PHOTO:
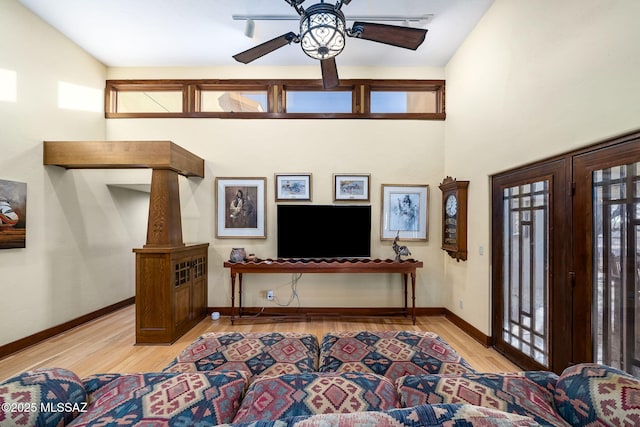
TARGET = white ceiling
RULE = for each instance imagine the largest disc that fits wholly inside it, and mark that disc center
(158, 33)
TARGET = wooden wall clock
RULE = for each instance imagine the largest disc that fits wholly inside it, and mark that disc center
(454, 217)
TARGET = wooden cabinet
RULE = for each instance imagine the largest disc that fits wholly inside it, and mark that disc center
(171, 292)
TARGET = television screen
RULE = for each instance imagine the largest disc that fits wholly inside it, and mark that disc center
(324, 231)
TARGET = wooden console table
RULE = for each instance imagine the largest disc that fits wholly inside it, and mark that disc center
(406, 268)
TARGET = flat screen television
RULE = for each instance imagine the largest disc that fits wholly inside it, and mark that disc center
(324, 231)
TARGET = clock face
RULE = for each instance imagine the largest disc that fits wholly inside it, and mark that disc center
(451, 206)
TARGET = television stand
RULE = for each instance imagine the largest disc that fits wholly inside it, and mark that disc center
(406, 268)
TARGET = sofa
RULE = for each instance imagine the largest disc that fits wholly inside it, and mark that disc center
(351, 378)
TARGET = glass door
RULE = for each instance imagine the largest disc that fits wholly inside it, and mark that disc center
(608, 247)
(529, 246)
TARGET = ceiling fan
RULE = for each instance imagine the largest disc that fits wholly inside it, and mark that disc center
(322, 36)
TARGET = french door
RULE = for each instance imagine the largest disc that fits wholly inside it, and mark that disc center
(607, 255)
(566, 259)
(530, 231)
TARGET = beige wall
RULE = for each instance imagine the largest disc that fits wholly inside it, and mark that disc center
(79, 234)
(534, 79)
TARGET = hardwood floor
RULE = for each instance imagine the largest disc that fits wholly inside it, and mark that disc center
(107, 344)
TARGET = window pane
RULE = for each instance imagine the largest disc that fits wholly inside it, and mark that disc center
(403, 102)
(318, 102)
(149, 102)
(236, 102)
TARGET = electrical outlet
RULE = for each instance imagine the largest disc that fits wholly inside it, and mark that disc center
(461, 305)
(270, 295)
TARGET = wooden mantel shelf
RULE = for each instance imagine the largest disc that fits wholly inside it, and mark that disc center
(123, 155)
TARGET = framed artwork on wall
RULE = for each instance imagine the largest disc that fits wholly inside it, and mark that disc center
(240, 208)
(404, 212)
(13, 214)
(293, 187)
(354, 187)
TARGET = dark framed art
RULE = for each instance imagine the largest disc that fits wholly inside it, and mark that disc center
(240, 208)
(404, 212)
(13, 214)
(352, 187)
(293, 187)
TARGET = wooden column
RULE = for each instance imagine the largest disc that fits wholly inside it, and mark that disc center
(164, 228)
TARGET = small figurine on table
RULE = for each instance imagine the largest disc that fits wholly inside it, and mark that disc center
(398, 249)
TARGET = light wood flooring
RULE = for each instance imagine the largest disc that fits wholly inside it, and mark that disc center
(107, 344)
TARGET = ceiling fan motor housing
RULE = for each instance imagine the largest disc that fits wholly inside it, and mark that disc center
(322, 31)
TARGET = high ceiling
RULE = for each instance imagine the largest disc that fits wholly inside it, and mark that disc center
(129, 33)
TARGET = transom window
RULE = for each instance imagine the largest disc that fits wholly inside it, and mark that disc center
(269, 99)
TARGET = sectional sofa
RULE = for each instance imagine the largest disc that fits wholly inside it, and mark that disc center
(359, 378)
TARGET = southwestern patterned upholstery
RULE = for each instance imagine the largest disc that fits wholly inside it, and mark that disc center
(281, 396)
(512, 393)
(24, 397)
(254, 352)
(390, 379)
(595, 395)
(446, 415)
(165, 399)
(390, 353)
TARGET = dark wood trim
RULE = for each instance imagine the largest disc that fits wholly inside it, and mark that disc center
(21, 344)
(469, 329)
(276, 96)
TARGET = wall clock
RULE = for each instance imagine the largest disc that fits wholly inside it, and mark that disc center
(454, 217)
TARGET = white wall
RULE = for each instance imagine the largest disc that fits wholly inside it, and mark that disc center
(79, 232)
(534, 79)
(393, 152)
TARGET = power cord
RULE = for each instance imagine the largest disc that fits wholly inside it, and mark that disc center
(294, 292)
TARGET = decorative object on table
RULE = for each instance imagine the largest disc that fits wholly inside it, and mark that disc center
(400, 250)
(404, 212)
(237, 255)
(454, 217)
(252, 257)
(240, 208)
(13, 214)
(292, 187)
(354, 187)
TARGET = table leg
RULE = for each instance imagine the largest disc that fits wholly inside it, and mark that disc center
(406, 306)
(413, 297)
(233, 296)
(240, 294)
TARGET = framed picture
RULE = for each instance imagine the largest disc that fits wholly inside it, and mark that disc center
(351, 187)
(293, 187)
(13, 214)
(404, 212)
(240, 208)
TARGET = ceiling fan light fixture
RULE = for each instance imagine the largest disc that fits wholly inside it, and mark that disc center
(322, 31)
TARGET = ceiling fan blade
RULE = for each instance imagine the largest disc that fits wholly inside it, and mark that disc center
(329, 73)
(264, 48)
(407, 37)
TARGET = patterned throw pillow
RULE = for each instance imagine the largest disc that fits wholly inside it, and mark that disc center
(390, 353)
(513, 393)
(272, 398)
(42, 398)
(167, 399)
(257, 353)
(597, 395)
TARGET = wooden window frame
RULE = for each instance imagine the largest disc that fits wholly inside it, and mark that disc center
(276, 97)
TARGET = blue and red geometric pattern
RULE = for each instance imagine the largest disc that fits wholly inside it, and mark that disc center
(24, 396)
(271, 398)
(390, 353)
(254, 352)
(511, 393)
(166, 399)
(446, 415)
(596, 395)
